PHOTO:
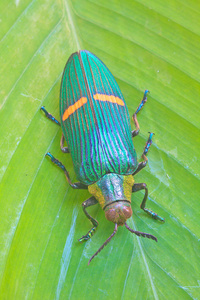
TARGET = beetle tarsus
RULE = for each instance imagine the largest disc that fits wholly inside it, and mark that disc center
(49, 116)
(56, 161)
(89, 202)
(142, 186)
(76, 185)
(148, 144)
(88, 235)
(153, 215)
(145, 94)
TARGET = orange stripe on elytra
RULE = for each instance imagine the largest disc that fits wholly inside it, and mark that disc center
(109, 98)
(72, 108)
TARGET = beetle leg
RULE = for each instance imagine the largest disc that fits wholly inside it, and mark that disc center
(89, 202)
(142, 186)
(49, 116)
(63, 149)
(143, 164)
(144, 100)
(76, 185)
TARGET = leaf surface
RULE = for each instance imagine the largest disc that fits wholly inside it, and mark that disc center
(153, 46)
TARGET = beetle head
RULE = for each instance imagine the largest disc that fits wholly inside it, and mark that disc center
(113, 192)
(118, 212)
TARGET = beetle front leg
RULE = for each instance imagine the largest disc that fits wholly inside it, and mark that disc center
(142, 186)
(144, 100)
(143, 164)
(89, 202)
(76, 185)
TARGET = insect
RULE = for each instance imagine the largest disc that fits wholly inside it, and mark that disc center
(95, 125)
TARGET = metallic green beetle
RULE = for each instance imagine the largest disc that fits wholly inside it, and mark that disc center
(95, 124)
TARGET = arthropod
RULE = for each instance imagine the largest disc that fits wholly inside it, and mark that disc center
(95, 125)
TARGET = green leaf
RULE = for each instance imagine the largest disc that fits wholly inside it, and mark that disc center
(151, 45)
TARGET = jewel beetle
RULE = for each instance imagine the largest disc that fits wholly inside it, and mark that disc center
(95, 125)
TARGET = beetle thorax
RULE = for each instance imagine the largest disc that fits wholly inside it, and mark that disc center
(113, 192)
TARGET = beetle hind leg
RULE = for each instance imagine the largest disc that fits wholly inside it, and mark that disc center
(89, 202)
(142, 186)
(144, 100)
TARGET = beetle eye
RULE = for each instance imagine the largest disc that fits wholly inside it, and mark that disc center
(110, 214)
(127, 211)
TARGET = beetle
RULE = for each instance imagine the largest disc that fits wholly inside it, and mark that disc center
(95, 125)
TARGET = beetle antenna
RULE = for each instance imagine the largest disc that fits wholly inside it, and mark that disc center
(147, 235)
(104, 244)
